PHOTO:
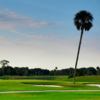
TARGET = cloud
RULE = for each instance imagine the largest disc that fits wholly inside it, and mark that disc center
(6, 26)
(5, 42)
(36, 51)
(40, 51)
(12, 20)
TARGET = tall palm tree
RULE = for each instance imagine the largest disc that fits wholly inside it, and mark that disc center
(83, 22)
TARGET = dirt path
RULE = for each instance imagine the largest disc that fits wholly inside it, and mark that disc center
(11, 92)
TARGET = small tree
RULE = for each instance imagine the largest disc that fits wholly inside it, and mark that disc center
(4, 63)
(98, 70)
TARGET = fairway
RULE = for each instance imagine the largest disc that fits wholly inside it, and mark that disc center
(28, 89)
(64, 82)
(52, 96)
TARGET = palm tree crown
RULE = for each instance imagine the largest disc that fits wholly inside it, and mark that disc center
(83, 20)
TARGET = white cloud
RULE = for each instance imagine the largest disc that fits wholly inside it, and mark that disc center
(47, 52)
(6, 26)
(11, 20)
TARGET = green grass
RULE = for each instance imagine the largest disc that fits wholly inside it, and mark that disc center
(52, 96)
(28, 84)
(93, 79)
(59, 78)
(11, 85)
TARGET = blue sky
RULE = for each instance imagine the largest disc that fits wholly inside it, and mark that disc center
(41, 33)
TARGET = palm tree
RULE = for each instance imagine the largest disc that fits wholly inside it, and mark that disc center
(83, 22)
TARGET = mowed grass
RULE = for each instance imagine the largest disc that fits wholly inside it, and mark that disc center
(90, 79)
(52, 96)
(13, 85)
(65, 82)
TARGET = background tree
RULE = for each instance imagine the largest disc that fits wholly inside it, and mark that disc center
(98, 70)
(91, 71)
(83, 22)
(4, 63)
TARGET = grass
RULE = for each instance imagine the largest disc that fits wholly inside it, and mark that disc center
(90, 79)
(28, 84)
(52, 96)
(61, 78)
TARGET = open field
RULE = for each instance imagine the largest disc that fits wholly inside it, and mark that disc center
(61, 78)
(11, 85)
(63, 81)
(52, 96)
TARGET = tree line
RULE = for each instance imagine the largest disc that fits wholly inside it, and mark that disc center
(25, 71)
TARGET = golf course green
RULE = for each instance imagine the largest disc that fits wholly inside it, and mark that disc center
(56, 88)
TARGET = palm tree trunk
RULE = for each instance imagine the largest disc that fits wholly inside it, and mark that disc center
(80, 41)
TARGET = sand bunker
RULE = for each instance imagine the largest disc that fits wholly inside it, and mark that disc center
(98, 85)
(48, 85)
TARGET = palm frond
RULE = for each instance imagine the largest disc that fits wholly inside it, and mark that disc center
(83, 20)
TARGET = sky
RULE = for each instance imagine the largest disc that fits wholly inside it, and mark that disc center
(41, 33)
